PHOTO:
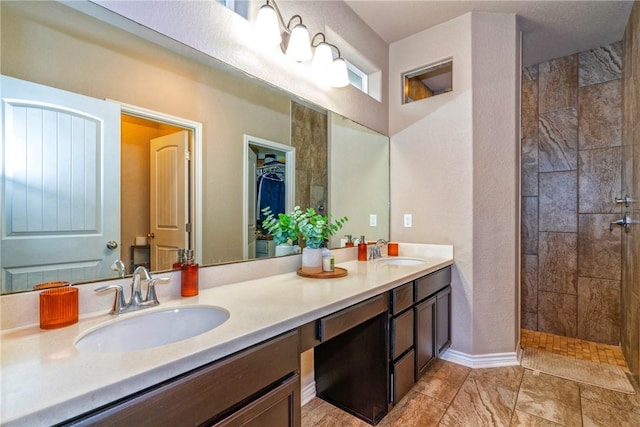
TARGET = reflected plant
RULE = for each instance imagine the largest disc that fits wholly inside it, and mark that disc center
(316, 228)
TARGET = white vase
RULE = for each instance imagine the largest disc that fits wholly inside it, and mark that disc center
(284, 249)
(311, 260)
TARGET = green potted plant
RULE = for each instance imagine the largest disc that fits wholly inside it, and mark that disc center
(282, 228)
(315, 229)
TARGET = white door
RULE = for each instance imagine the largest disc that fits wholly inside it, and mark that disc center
(60, 186)
(252, 161)
(169, 202)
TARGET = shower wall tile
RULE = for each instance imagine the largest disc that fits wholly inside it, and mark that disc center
(529, 169)
(530, 73)
(600, 175)
(558, 84)
(558, 263)
(599, 310)
(529, 225)
(557, 313)
(600, 64)
(558, 201)
(600, 123)
(529, 320)
(558, 140)
(529, 284)
(599, 250)
(529, 108)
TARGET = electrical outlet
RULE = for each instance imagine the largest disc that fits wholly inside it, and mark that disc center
(408, 220)
(373, 220)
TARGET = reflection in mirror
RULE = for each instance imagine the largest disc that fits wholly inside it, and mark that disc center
(53, 45)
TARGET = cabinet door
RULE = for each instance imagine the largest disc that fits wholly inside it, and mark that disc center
(443, 322)
(425, 339)
(278, 408)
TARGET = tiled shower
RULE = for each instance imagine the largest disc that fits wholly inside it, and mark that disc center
(571, 176)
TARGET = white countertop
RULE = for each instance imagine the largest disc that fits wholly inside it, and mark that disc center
(45, 379)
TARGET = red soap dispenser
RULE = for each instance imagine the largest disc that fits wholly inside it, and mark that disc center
(189, 276)
(362, 249)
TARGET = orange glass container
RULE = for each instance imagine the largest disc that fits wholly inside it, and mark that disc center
(189, 280)
(58, 307)
(392, 249)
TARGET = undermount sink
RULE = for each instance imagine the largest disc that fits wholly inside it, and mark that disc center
(401, 261)
(152, 329)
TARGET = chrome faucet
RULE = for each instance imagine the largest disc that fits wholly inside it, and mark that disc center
(375, 250)
(136, 301)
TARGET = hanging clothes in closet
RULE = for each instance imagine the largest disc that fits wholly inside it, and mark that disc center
(271, 189)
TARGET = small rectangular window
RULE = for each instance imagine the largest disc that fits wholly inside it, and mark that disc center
(357, 77)
(428, 81)
(241, 7)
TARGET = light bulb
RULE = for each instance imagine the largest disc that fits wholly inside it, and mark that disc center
(299, 47)
(267, 27)
(339, 76)
(322, 61)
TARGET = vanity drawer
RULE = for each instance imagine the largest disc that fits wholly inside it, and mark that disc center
(401, 298)
(342, 321)
(401, 334)
(432, 283)
(403, 376)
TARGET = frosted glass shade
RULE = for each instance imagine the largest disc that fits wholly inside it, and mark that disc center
(267, 27)
(339, 76)
(322, 61)
(299, 47)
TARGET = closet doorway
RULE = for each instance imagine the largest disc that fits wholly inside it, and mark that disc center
(269, 180)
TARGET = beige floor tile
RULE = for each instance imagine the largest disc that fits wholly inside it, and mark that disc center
(622, 401)
(442, 382)
(522, 419)
(551, 398)
(596, 414)
(482, 401)
(415, 409)
(318, 413)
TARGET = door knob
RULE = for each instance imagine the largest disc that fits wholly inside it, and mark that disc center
(112, 244)
(151, 236)
(624, 223)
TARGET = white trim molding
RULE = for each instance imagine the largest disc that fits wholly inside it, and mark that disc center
(492, 360)
(307, 393)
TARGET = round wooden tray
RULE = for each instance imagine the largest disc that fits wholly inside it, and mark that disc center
(337, 272)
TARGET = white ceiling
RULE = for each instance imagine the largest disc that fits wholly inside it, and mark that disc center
(551, 29)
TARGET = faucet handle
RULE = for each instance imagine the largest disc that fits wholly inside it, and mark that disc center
(119, 303)
(152, 298)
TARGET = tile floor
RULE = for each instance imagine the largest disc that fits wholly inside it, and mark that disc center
(453, 395)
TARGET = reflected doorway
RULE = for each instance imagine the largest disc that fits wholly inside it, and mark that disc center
(156, 191)
(269, 171)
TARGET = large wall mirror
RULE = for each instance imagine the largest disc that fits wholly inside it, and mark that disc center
(163, 98)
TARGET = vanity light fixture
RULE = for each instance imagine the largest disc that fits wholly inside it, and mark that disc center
(298, 47)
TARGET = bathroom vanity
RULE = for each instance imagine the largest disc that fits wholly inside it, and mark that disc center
(247, 370)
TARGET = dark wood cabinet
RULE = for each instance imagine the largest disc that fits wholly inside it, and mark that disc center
(433, 317)
(279, 407)
(352, 360)
(443, 320)
(258, 383)
(425, 339)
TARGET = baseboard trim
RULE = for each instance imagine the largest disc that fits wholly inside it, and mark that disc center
(493, 360)
(307, 393)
